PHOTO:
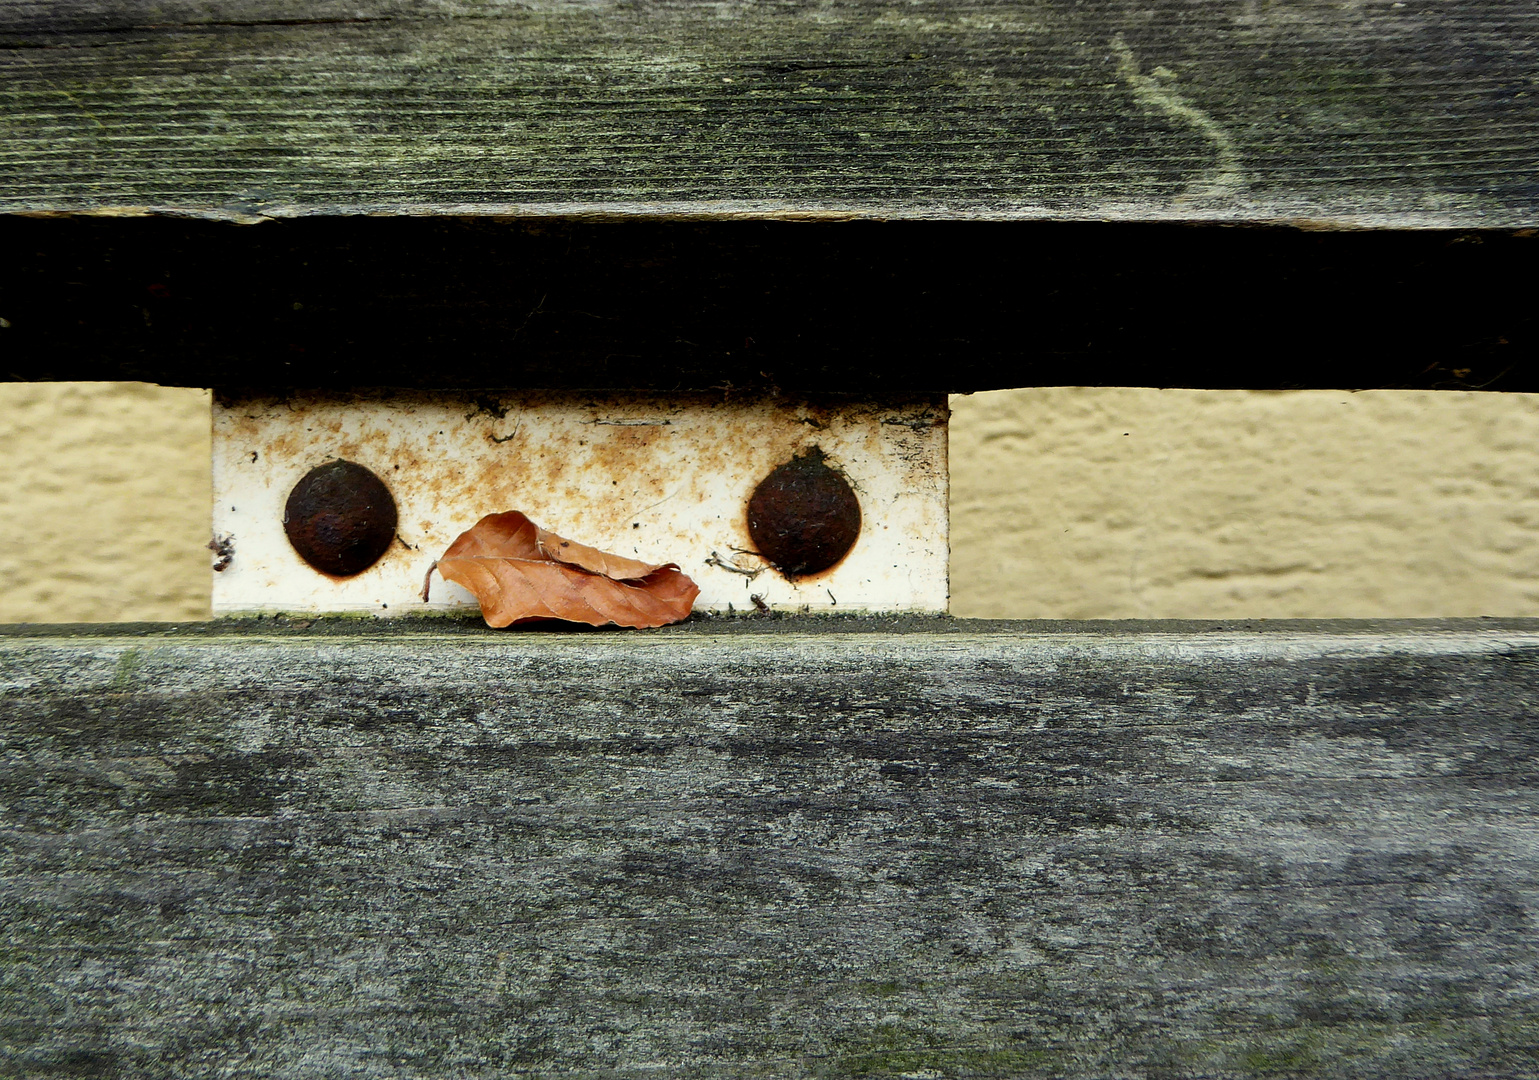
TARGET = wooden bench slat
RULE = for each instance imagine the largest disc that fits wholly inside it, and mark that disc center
(712, 851)
(1416, 115)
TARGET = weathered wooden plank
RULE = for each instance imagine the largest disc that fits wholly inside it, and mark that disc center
(853, 307)
(1408, 114)
(729, 850)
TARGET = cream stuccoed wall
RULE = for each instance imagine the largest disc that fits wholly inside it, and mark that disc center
(105, 489)
(1086, 504)
(1066, 503)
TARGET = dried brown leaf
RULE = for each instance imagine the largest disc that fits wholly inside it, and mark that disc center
(590, 559)
(519, 572)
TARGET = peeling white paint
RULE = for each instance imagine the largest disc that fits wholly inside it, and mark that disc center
(659, 478)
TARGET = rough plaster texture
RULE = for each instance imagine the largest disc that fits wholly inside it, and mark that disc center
(1066, 503)
(104, 489)
(1078, 503)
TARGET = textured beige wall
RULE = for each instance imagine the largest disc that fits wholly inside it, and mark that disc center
(105, 488)
(1172, 503)
(1065, 503)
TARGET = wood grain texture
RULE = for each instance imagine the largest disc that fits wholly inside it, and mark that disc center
(716, 852)
(1409, 113)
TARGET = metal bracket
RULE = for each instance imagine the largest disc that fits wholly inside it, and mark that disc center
(656, 478)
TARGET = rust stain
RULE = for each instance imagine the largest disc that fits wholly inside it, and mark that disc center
(658, 477)
(340, 518)
(804, 517)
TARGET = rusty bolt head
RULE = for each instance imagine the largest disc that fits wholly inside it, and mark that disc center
(340, 517)
(804, 517)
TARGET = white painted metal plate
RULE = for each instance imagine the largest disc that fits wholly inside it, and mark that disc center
(661, 479)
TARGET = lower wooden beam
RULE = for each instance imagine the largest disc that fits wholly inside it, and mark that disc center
(745, 849)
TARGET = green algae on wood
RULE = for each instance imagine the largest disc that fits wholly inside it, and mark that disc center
(1412, 114)
(771, 850)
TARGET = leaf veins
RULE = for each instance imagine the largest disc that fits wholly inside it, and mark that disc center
(521, 573)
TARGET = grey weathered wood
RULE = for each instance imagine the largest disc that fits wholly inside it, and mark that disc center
(960, 852)
(1406, 114)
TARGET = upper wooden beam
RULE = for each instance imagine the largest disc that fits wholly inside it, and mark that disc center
(1410, 113)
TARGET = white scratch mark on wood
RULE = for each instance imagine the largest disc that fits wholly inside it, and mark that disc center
(1226, 177)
